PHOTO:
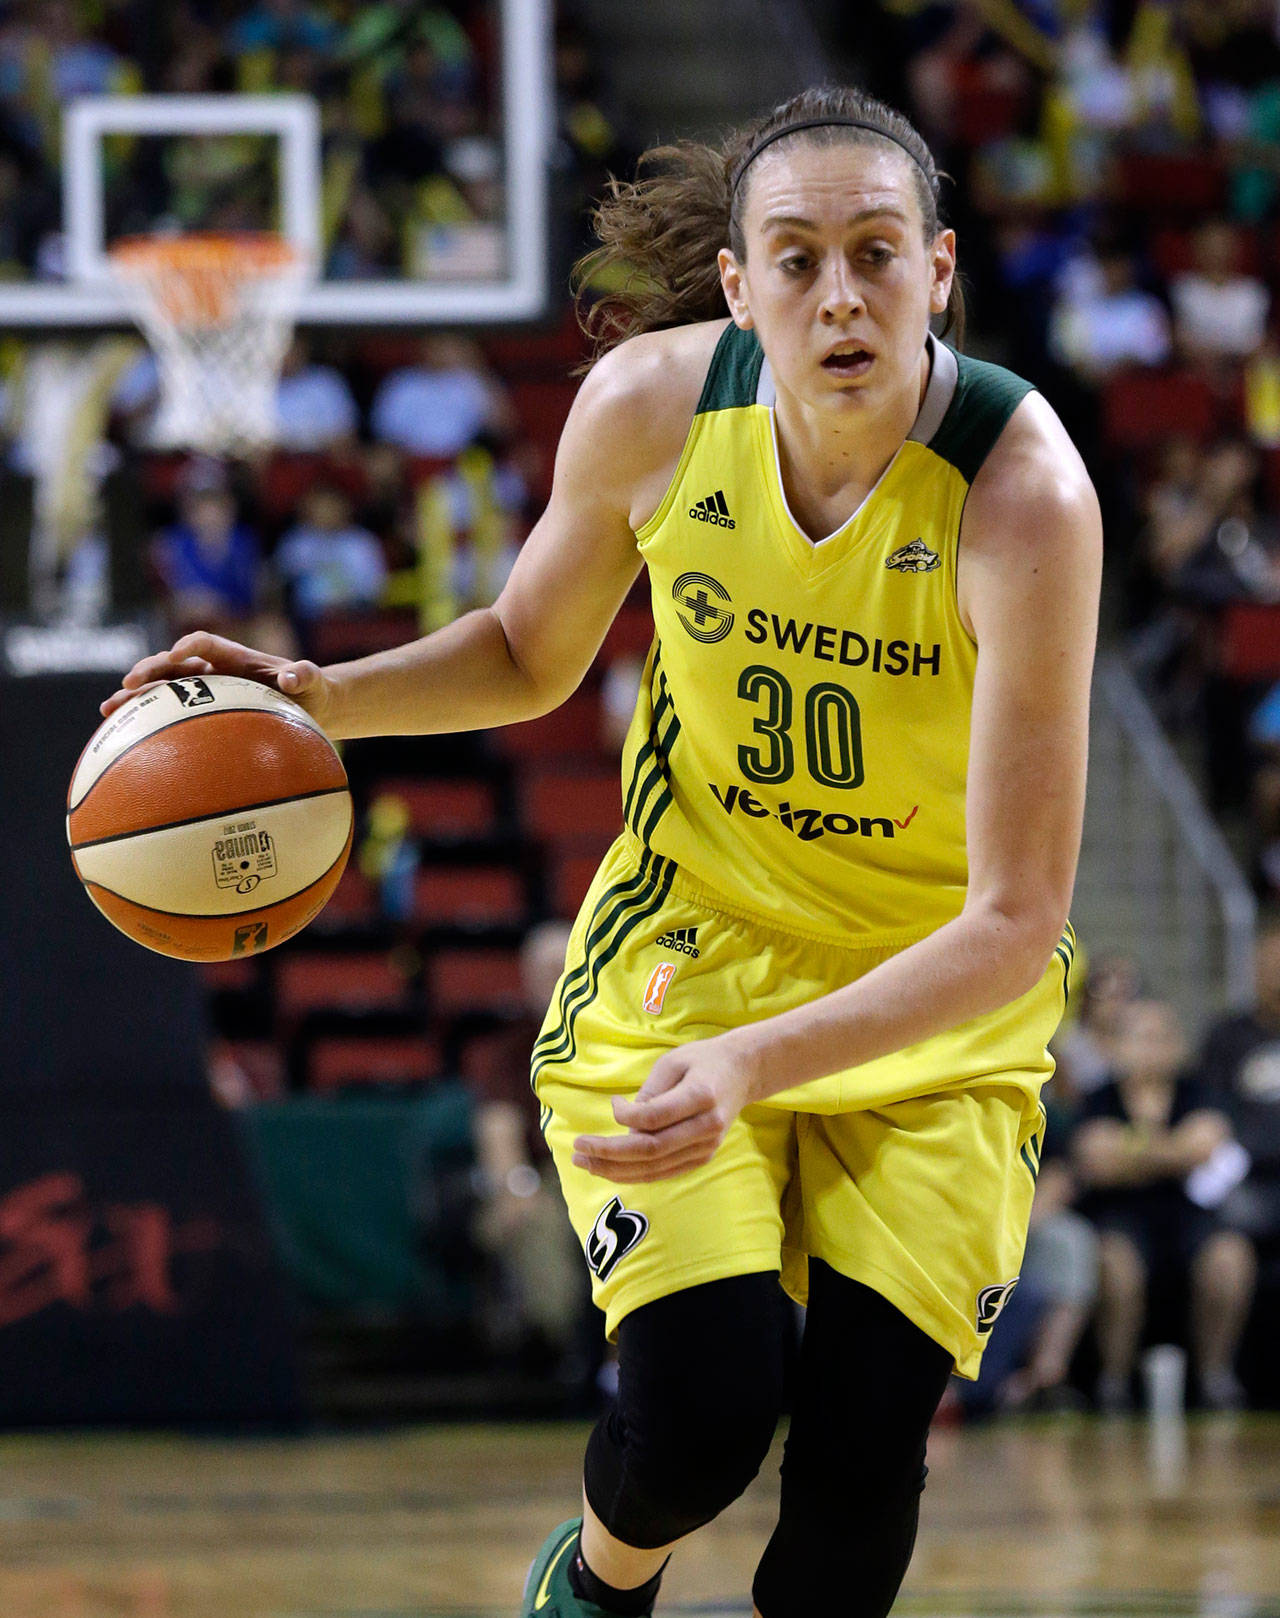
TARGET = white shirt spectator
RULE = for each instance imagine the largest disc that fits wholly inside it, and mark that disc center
(314, 409)
(1104, 322)
(1228, 318)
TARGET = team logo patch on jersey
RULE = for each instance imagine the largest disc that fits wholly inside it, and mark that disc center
(713, 509)
(655, 991)
(616, 1232)
(991, 1300)
(914, 558)
(703, 606)
(684, 940)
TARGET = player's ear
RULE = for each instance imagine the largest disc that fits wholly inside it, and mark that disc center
(732, 280)
(942, 259)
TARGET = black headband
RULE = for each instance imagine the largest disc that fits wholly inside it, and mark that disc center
(823, 123)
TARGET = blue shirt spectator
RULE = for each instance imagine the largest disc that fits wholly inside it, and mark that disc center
(208, 561)
(314, 405)
(441, 405)
(328, 562)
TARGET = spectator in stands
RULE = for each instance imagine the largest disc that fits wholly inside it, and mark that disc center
(445, 402)
(1085, 1049)
(537, 1276)
(327, 562)
(1240, 1066)
(367, 247)
(1156, 1156)
(210, 563)
(1218, 312)
(315, 408)
(1104, 320)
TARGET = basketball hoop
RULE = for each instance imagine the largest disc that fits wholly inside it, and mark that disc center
(218, 312)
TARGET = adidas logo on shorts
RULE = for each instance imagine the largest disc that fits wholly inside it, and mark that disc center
(684, 940)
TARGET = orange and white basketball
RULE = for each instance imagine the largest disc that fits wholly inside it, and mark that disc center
(209, 818)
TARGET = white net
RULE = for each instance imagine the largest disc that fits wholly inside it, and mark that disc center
(218, 311)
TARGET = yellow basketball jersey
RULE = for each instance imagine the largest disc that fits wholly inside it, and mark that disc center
(801, 739)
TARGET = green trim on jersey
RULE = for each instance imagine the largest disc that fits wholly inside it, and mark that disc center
(734, 373)
(985, 397)
(618, 912)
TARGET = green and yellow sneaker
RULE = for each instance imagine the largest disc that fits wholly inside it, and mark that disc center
(547, 1591)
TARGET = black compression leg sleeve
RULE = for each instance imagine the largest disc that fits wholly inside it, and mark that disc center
(700, 1379)
(869, 1383)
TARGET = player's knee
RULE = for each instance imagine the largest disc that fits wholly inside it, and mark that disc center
(656, 1482)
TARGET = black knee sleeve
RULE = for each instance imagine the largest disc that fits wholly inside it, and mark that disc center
(854, 1467)
(700, 1383)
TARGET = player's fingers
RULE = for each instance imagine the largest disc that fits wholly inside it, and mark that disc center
(117, 699)
(683, 1100)
(642, 1174)
(294, 678)
(646, 1148)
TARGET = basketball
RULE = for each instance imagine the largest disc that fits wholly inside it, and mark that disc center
(209, 818)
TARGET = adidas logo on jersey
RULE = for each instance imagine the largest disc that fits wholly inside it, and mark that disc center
(713, 509)
(684, 940)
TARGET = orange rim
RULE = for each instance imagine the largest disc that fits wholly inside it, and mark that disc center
(195, 279)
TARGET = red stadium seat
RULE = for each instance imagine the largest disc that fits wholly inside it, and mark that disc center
(333, 1063)
(559, 805)
(342, 635)
(354, 900)
(470, 896)
(1249, 641)
(630, 634)
(1172, 250)
(444, 809)
(1143, 408)
(482, 979)
(572, 871)
(570, 731)
(1187, 185)
(346, 980)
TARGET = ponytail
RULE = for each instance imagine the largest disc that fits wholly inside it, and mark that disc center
(660, 233)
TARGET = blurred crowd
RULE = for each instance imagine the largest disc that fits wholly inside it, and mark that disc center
(410, 104)
(1157, 1210)
(1117, 198)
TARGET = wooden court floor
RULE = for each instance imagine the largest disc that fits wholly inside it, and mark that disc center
(1039, 1519)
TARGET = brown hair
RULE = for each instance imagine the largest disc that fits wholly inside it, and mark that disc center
(660, 233)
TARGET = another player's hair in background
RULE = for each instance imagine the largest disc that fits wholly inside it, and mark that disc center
(660, 233)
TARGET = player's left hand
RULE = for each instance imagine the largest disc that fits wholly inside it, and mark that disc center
(677, 1118)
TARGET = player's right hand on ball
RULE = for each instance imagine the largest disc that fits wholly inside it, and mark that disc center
(202, 653)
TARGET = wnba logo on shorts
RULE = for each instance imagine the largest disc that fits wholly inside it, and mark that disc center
(655, 991)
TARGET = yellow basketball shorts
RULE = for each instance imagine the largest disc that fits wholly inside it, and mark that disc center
(912, 1174)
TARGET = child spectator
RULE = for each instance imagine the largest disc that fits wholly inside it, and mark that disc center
(209, 562)
(1155, 1156)
(327, 562)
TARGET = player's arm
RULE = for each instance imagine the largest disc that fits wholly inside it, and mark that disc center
(1031, 550)
(529, 651)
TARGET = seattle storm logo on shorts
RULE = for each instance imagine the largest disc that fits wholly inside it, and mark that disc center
(704, 606)
(991, 1300)
(616, 1232)
(914, 558)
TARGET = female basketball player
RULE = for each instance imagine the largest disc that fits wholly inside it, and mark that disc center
(803, 1021)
